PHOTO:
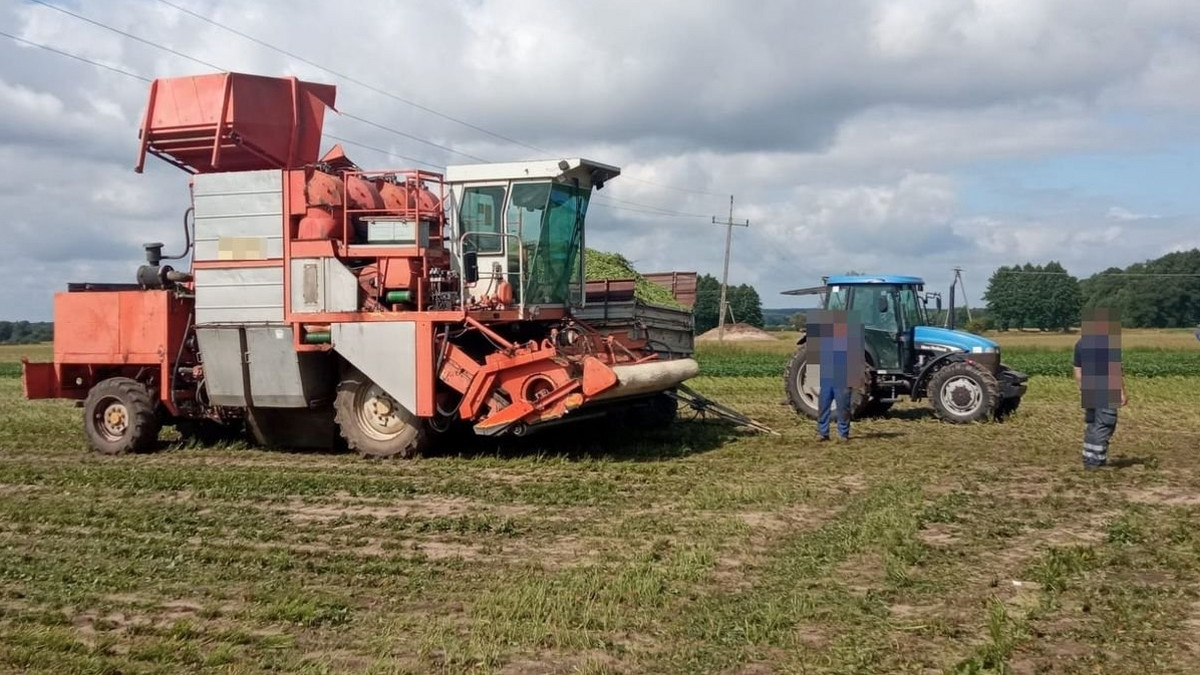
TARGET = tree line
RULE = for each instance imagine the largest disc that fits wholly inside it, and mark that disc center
(25, 332)
(744, 304)
(1159, 293)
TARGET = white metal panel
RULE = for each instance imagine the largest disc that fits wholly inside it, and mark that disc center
(222, 354)
(323, 285)
(237, 295)
(237, 207)
(386, 352)
(341, 287)
(275, 380)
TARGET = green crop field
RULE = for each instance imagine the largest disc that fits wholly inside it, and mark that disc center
(917, 547)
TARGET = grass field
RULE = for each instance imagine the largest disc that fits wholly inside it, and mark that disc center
(918, 547)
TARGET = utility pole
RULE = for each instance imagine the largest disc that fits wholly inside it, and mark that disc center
(725, 277)
(958, 281)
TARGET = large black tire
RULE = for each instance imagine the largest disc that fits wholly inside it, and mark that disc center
(119, 417)
(805, 402)
(374, 424)
(962, 393)
(655, 412)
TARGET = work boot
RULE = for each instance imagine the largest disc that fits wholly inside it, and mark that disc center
(822, 439)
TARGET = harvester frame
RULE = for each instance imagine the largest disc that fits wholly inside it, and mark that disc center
(324, 300)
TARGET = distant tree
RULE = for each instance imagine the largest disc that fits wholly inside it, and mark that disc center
(1003, 297)
(25, 332)
(1045, 297)
(799, 321)
(708, 300)
(746, 305)
(1159, 293)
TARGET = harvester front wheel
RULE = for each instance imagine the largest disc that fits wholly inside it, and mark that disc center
(373, 423)
(118, 417)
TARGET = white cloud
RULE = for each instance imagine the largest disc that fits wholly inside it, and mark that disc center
(844, 130)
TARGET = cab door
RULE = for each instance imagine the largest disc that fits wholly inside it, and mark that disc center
(875, 306)
(481, 219)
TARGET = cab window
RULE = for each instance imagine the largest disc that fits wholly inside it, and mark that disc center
(480, 215)
(867, 308)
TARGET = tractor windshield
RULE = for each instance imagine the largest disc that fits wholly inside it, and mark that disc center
(549, 218)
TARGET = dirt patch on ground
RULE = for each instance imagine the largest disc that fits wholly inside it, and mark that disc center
(1165, 495)
(940, 535)
(426, 507)
(553, 663)
(766, 529)
(738, 332)
(862, 572)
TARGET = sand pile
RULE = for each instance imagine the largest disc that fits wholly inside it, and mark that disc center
(738, 332)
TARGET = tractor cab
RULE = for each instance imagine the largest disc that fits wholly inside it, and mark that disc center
(519, 229)
(909, 357)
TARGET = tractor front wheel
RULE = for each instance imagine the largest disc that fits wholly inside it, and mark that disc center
(373, 423)
(962, 393)
(119, 417)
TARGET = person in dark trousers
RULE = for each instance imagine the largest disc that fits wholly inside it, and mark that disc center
(1098, 376)
(840, 370)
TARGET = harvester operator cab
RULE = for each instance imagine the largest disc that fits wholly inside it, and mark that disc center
(518, 230)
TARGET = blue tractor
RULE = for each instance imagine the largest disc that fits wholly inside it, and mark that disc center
(959, 372)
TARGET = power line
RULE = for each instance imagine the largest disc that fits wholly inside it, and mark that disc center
(678, 189)
(131, 36)
(614, 207)
(651, 209)
(350, 79)
(1105, 274)
(76, 57)
(381, 150)
(410, 136)
(135, 76)
(202, 62)
(401, 99)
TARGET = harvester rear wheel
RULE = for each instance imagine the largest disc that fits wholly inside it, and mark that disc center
(373, 423)
(118, 417)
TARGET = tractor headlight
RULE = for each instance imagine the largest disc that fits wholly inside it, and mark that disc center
(984, 350)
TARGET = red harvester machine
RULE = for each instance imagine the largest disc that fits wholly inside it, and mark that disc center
(387, 306)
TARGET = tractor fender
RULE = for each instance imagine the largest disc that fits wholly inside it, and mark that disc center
(923, 377)
(804, 338)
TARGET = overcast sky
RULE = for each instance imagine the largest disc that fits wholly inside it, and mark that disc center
(891, 137)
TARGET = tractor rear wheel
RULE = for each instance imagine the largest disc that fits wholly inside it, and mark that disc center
(803, 395)
(119, 417)
(962, 393)
(373, 423)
